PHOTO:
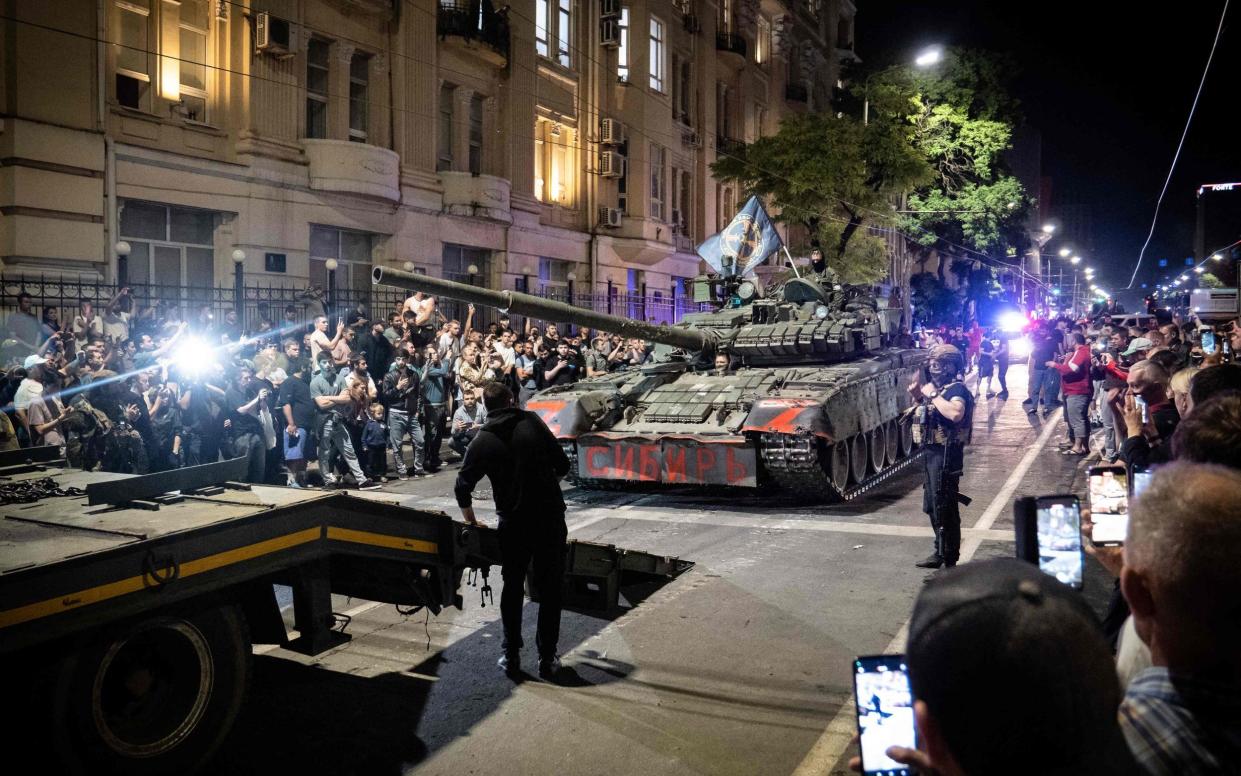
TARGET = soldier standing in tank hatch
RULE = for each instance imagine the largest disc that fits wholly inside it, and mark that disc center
(942, 421)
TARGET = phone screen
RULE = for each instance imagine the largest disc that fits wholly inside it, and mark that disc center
(1109, 504)
(1141, 478)
(1208, 342)
(1060, 539)
(885, 714)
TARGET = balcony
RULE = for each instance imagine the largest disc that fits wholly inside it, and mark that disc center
(476, 196)
(731, 43)
(796, 93)
(729, 146)
(462, 21)
(353, 168)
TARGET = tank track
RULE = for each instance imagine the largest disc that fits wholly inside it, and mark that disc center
(793, 463)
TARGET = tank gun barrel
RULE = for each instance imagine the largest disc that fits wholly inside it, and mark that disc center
(546, 309)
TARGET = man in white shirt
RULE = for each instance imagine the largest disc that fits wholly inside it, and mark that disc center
(87, 324)
(30, 390)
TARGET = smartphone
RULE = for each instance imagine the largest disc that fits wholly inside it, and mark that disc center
(1060, 538)
(1139, 478)
(1142, 405)
(1208, 342)
(885, 712)
(1109, 504)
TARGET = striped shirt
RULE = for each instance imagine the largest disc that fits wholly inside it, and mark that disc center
(1182, 725)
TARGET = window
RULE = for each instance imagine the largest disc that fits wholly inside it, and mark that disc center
(659, 181)
(359, 81)
(542, 10)
(317, 59)
(554, 180)
(724, 207)
(444, 138)
(193, 40)
(553, 33)
(760, 120)
(685, 201)
(170, 246)
(723, 123)
(657, 54)
(622, 183)
(725, 19)
(622, 56)
(563, 33)
(476, 134)
(762, 42)
(133, 60)
(683, 87)
(635, 287)
(553, 276)
(353, 253)
(815, 7)
(844, 33)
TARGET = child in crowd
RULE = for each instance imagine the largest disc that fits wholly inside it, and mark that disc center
(375, 440)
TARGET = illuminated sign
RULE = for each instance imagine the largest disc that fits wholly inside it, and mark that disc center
(1217, 187)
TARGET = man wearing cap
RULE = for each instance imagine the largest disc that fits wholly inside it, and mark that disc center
(1010, 673)
(30, 390)
(943, 417)
(1138, 347)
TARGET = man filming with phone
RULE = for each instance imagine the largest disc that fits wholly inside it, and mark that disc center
(943, 416)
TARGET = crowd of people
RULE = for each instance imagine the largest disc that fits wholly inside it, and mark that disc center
(334, 400)
(1011, 671)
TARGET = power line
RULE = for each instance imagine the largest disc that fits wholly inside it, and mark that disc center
(1179, 146)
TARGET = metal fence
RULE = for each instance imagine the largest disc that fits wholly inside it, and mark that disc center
(64, 294)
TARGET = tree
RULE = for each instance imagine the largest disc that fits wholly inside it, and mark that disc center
(963, 123)
(1209, 280)
(933, 302)
(835, 176)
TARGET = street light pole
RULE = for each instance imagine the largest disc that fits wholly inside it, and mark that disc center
(929, 56)
(122, 249)
(239, 263)
(331, 265)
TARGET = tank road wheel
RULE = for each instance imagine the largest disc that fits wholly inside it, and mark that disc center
(878, 441)
(840, 465)
(907, 438)
(892, 435)
(857, 456)
(157, 697)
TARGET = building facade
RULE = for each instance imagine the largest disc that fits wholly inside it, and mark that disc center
(533, 145)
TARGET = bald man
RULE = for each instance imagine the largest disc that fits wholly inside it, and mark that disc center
(1182, 582)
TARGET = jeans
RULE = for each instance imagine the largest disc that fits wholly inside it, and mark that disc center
(1001, 373)
(400, 424)
(541, 541)
(336, 440)
(1077, 413)
(1043, 386)
(944, 464)
(1051, 388)
(199, 448)
(461, 440)
(253, 448)
(434, 416)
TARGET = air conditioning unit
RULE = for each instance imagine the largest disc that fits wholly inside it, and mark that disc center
(692, 25)
(610, 217)
(611, 164)
(609, 33)
(609, 8)
(611, 132)
(272, 35)
(691, 139)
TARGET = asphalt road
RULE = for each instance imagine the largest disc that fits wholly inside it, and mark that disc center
(739, 666)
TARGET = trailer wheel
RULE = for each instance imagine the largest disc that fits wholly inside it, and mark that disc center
(157, 697)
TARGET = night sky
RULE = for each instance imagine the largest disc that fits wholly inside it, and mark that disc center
(1109, 86)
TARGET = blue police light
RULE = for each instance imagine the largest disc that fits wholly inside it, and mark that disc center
(1163, 262)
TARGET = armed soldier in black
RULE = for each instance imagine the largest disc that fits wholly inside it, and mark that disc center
(942, 421)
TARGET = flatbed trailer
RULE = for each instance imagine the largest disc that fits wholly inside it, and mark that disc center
(139, 599)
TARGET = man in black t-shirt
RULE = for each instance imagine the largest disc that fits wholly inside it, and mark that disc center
(943, 419)
(298, 412)
(561, 367)
(1044, 345)
(243, 402)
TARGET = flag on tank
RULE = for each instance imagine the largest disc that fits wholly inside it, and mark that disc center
(745, 243)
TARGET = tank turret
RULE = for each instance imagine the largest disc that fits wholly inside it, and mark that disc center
(699, 341)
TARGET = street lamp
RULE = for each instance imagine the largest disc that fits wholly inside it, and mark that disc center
(472, 270)
(571, 277)
(525, 279)
(331, 265)
(1049, 228)
(1075, 260)
(929, 56)
(1064, 253)
(239, 263)
(409, 266)
(122, 249)
(1217, 257)
(1199, 270)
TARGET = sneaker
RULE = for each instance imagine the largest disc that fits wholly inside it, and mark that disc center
(932, 561)
(402, 476)
(369, 484)
(549, 668)
(990, 394)
(330, 482)
(510, 664)
(1003, 394)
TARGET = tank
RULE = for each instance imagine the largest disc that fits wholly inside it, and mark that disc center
(813, 403)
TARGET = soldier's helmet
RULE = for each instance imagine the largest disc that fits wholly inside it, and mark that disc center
(946, 359)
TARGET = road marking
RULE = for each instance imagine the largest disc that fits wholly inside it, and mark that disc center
(838, 736)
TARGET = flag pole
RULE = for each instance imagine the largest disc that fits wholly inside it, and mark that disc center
(792, 263)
